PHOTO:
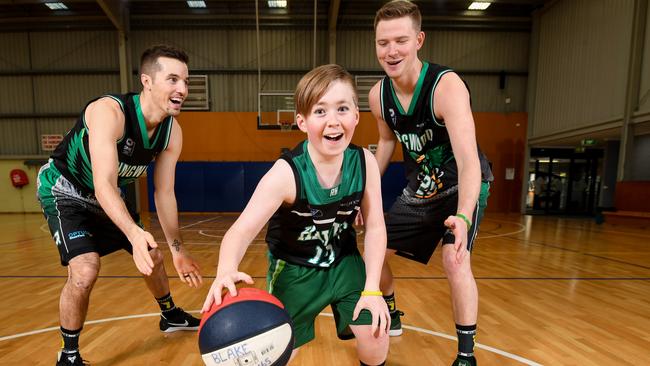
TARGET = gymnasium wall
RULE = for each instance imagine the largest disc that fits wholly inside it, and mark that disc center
(14, 199)
(640, 166)
(644, 92)
(224, 155)
(582, 69)
(53, 74)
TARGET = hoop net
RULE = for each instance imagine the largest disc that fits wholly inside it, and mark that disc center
(285, 125)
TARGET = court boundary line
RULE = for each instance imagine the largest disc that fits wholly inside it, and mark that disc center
(42, 227)
(511, 356)
(198, 222)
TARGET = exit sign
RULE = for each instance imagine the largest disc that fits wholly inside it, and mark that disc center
(589, 142)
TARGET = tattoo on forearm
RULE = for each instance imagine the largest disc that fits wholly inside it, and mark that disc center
(177, 245)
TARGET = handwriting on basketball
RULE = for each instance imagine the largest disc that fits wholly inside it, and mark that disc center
(239, 355)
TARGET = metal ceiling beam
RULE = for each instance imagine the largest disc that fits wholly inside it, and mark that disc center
(53, 19)
(333, 17)
(116, 12)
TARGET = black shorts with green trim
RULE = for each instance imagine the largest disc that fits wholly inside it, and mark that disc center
(76, 221)
(415, 226)
(306, 291)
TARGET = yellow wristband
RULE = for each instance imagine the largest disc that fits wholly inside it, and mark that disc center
(469, 223)
(371, 293)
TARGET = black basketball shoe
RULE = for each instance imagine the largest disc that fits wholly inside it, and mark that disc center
(178, 320)
(464, 361)
(395, 323)
(70, 359)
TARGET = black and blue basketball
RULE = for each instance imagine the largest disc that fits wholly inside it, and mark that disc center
(251, 328)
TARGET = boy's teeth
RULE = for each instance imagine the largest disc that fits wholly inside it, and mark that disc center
(334, 137)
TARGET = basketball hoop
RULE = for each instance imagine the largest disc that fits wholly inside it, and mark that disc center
(286, 125)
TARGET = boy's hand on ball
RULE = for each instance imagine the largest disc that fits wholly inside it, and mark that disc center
(223, 282)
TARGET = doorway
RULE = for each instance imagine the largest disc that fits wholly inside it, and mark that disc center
(563, 181)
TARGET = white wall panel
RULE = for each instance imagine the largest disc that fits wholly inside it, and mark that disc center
(18, 136)
(238, 93)
(22, 136)
(16, 95)
(70, 93)
(16, 55)
(74, 50)
(356, 49)
(206, 48)
(488, 97)
(231, 48)
(583, 56)
(485, 51)
(466, 50)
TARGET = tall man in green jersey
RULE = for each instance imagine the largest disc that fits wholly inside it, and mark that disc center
(426, 108)
(111, 145)
(310, 198)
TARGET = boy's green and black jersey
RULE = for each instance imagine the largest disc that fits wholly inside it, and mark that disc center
(428, 157)
(317, 230)
(135, 149)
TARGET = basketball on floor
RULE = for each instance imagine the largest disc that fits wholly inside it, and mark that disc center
(251, 328)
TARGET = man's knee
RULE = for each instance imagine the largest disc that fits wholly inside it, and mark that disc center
(452, 267)
(83, 271)
(157, 256)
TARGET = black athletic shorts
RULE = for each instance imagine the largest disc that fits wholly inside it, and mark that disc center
(415, 225)
(77, 222)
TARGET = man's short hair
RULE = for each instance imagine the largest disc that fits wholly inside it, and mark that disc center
(398, 9)
(315, 84)
(149, 60)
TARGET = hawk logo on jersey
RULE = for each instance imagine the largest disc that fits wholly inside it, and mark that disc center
(129, 145)
(430, 173)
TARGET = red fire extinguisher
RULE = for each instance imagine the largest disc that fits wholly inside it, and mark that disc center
(19, 178)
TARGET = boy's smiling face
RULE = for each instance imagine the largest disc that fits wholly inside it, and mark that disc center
(331, 121)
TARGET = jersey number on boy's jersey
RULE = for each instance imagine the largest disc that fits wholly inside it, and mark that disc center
(324, 252)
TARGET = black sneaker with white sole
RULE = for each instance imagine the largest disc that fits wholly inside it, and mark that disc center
(180, 321)
(64, 358)
(395, 323)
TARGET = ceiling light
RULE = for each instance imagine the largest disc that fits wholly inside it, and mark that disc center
(277, 3)
(479, 5)
(196, 4)
(56, 6)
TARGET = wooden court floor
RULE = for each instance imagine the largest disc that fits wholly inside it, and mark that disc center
(553, 291)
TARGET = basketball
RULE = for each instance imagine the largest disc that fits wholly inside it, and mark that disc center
(251, 328)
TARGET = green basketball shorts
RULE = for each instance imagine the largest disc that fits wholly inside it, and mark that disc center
(306, 291)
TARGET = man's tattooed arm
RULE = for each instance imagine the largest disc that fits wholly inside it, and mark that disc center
(177, 245)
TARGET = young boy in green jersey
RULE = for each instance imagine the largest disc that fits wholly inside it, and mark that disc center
(310, 198)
